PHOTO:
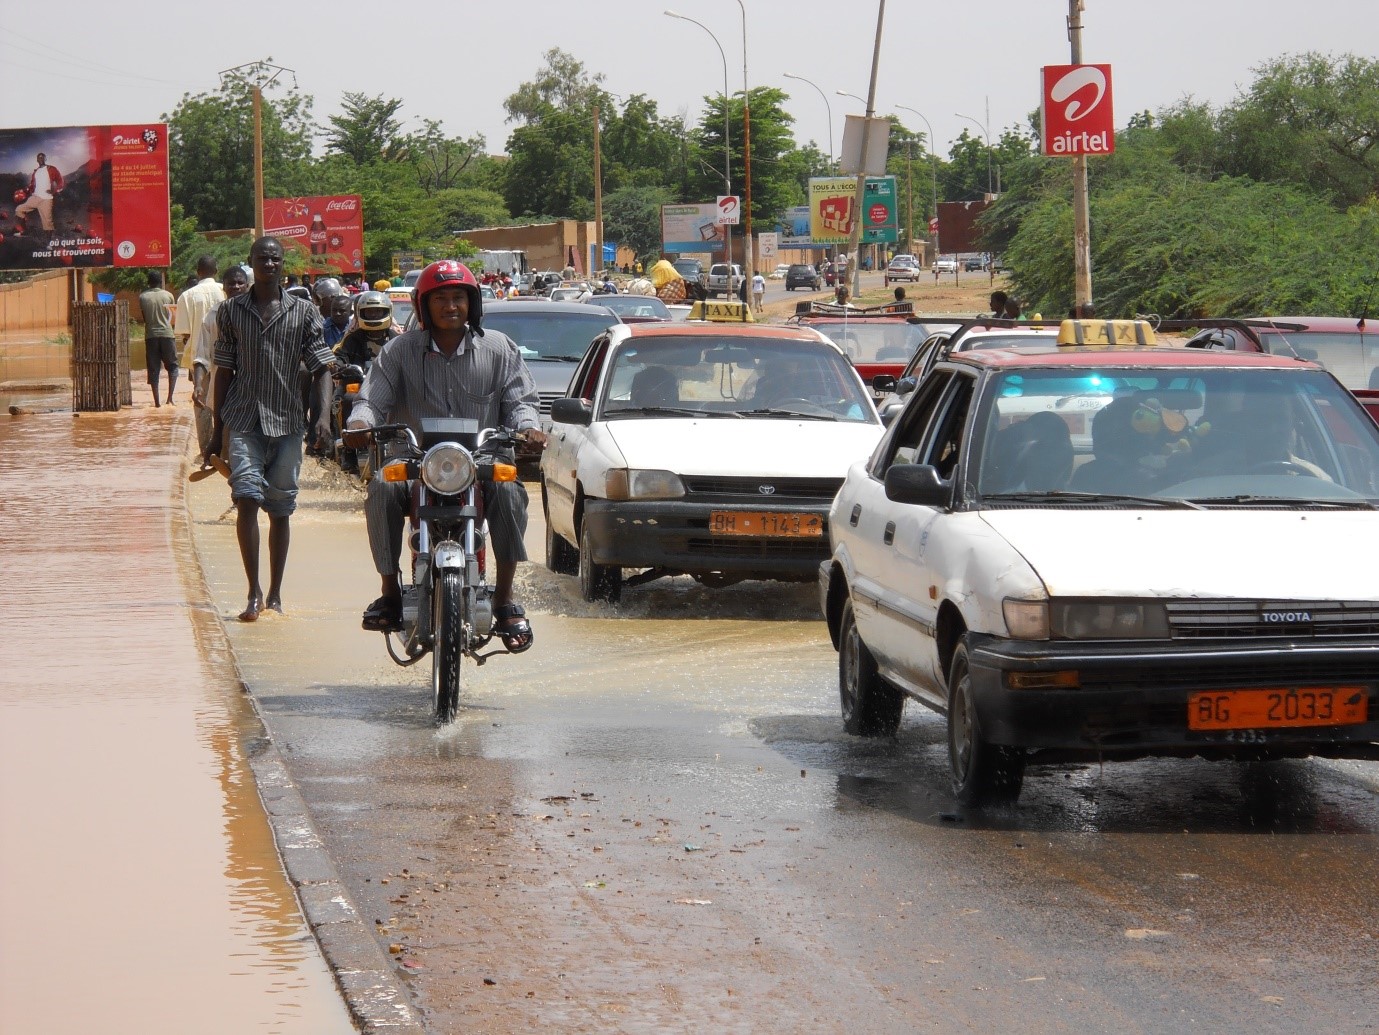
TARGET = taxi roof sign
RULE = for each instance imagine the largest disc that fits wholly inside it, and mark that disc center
(722, 312)
(1111, 334)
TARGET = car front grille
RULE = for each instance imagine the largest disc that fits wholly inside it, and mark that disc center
(766, 547)
(1271, 619)
(762, 490)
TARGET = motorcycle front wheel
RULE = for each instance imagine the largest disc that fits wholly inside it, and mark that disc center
(448, 653)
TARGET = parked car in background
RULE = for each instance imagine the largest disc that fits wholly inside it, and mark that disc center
(802, 275)
(780, 271)
(945, 264)
(704, 449)
(878, 340)
(693, 271)
(1063, 594)
(570, 291)
(633, 308)
(902, 267)
(724, 280)
(974, 263)
(1346, 346)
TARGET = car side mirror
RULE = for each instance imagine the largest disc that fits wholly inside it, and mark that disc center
(918, 484)
(572, 411)
(883, 383)
(906, 385)
(890, 412)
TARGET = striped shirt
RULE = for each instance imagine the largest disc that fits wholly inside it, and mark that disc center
(265, 394)
(484, 380)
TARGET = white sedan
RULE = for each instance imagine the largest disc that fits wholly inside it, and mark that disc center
(704, 449)
(1100, 554)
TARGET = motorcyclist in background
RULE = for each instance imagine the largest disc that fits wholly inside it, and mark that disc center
(373, 328)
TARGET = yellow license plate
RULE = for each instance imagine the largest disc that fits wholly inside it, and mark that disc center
(1277, 709)
(765, 523)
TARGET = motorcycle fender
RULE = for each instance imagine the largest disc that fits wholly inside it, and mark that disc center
(448, 557)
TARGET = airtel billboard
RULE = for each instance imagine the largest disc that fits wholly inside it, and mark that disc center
(1075, 115)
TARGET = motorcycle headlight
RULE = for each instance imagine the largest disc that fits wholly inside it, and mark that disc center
(1108, 620)
(447, 469)
(623, 483)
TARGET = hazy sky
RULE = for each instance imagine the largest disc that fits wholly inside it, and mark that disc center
(80, 62)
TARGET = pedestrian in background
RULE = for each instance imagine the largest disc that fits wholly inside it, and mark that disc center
(900, 293)
(758, 290)
(264, 335)
(233, 283)
(160, 347)
(192, 307)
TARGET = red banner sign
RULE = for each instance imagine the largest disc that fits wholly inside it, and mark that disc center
(1075, 113)
(330, 230)
(84, 196)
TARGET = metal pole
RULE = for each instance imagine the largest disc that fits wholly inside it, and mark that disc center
(258, 162)
(598, 193)
(861, 190)
(749, 248)
(933, 166)
(827, 107)
(1082, 230)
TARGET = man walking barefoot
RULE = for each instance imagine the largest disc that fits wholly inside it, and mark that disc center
(264, 335)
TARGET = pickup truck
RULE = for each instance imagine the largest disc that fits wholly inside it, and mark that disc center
(719, 282)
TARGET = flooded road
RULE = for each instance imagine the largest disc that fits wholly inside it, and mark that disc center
(140, 885)
(653, 821)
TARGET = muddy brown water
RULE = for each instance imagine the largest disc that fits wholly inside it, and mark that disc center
(140, 887)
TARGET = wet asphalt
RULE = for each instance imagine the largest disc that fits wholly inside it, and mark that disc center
(653, 821)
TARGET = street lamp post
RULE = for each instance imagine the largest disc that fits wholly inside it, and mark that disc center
(933, 164)
(827, 107)
(986, 138)
(727, 149)
(749, 250)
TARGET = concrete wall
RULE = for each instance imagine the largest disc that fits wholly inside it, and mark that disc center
(547, 244)
(42, 301)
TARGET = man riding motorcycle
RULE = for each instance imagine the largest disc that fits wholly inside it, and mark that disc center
(448, 367)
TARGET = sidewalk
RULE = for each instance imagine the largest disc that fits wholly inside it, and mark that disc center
(133, 841)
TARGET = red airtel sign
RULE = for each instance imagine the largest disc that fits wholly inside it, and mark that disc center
(1075, 111)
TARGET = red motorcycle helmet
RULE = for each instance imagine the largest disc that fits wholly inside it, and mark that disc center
(448, 273)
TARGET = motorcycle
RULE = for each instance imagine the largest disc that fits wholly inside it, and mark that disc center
(447, 611)
(347, 377)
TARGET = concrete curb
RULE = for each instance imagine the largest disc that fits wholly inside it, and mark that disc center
(370, 988)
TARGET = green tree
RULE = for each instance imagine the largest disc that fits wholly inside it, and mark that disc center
(438, 161)
(775, 176)
(632, 218)
(366, 128)
(211, 147)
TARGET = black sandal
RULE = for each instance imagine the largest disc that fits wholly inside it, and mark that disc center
(383, 615)
(517, 634)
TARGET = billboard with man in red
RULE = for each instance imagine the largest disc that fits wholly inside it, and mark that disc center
(328, 230)
(84, 197)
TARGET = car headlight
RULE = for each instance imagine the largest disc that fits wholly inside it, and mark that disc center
(624, 483)
(447, 469)
(1108, 620)
(1026, 619)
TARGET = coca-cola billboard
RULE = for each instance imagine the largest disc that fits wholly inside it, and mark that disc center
(1075, 114)
(328, 230)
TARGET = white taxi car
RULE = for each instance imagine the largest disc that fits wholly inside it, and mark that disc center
(703, 449)
(1105, 553)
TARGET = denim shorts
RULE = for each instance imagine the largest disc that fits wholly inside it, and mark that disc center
(264, 468)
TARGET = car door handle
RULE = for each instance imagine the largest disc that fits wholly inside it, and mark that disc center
(856, 514)
(889, 537)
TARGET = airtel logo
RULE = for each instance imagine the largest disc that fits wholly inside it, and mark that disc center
(1077, 79)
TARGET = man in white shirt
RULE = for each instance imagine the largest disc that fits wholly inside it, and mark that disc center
(189, 323)
(234, 282)
(44, 185)
(758, 291)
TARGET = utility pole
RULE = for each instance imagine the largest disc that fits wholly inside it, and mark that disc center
(859, 199)
(258, 71)
(1082, 232)
(598, 193)
(749, 251)
(909, 202)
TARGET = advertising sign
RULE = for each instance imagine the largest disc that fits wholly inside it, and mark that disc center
(729, 210)
(878, 145)
(404, 261)
(1075, 116)
(329, 230)
(832, 210)
(794, 228)
(768, 246)
(84, 196)
(690, 228)
(959, 221)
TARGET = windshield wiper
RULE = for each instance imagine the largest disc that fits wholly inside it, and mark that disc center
(557, 359)
(672, 411)
(773, 412)
(1061, 496)
(1274, 501)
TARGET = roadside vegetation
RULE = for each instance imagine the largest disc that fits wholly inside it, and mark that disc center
(1265, 205)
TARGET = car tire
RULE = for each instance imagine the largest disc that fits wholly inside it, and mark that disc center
(981, 773)
(871, 706)
(597, 582)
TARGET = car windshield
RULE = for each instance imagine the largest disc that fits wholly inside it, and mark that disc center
(732, 376)
(1006, 341)
(1239, 437)
(402, 312)
(881, 341)
(1353, 358)
(558, 336)
(634, 305)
